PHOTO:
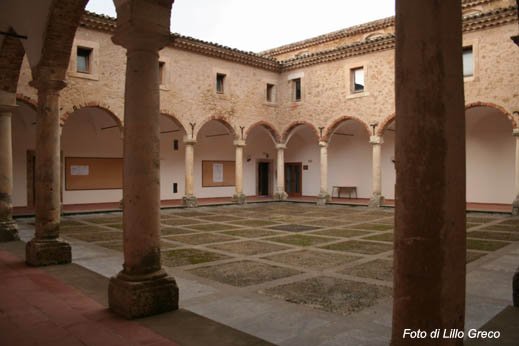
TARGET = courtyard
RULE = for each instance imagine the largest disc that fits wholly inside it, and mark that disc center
(295, 273)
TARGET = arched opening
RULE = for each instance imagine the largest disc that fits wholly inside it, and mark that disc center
(259, 160)
(214, 160)
(23, 129)
(349, 159)
(302, 162)
(172, 163)
(490, 149)
(387, 158)
(92, 149)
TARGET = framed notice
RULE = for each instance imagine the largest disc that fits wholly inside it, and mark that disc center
(218, 173)
(93, 173)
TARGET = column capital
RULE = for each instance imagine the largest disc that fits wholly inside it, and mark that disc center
(189, 141)
(239, 143)
(323, 144)
(142, 25)
(516, 132)
(281, 146)
(42, 84)
(376, 140)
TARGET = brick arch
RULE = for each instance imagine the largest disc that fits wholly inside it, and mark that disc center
(11, 58)
(381, 128)
(174, 119)
(64, 117)
(293, 125)
(337, 122)
(27, 101)
(222, 120)
(62, 23)
(267, 126)
(502, 110)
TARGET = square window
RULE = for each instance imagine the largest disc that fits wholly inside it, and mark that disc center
(83, 59)
(468, 62)
(296, 89)
(271, 92)
(161, 71)
(220, 79)
(357, 80)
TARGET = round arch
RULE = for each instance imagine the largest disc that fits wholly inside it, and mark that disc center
(501, 110)
(385, 124)
(26, 100)
(289, 130)
(64, 117)
(267, 126)
(337, 122)
(174, 119)
(222, 120)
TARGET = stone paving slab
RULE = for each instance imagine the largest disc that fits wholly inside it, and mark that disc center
(362, 247)
(312, 259)
(183, 257)
(249, 247)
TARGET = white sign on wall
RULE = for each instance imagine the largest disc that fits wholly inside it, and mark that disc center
(79, 170)
(217, 172)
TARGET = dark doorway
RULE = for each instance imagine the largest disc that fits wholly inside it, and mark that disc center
(263, 178)
(293, 178)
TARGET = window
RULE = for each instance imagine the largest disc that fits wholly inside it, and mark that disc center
(357, 80)
(271, 93)
(220, 79)
(161, 71)
(296, 91)
(468, 62)
(83, 59)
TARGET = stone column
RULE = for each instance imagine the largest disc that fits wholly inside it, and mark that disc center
(46, 248)
(324, 196)
(189, 200)
(142, 288)
(376, 199)
(280, 193)
(8, 228)
(239, 197)
(515, 204)
(430, 250)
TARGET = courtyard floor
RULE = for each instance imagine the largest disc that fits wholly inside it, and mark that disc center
(295, 273)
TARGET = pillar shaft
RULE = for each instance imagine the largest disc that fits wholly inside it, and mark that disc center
(280, 178)
(142, 288)
(8, 228)
(45, 248)
(376, 198)
(189, 199)
(324, 196)
(515, 203)
(239, 197)
(429, 259)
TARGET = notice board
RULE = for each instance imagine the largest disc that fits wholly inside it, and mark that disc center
(218, 173)
(93, 173)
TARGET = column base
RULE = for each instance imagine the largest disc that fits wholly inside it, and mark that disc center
(239, 199)
(189, 201)
(40, 252)
(280, 196)
(133, 298)
(323, 198)
(376, 201)
(515, 206)
(8, 231)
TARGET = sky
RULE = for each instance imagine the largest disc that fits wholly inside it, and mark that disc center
(263, 24)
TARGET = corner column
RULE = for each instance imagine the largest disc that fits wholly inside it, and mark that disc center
(189, 200)
(239, 197)
(280, 193)
(46, 248)
(430, 243)
(376, 199)
(515, 203)
(142, 288)
(324, 196)
(8, 228)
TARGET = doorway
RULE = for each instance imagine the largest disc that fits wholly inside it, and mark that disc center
(263, 178)
(293, 178)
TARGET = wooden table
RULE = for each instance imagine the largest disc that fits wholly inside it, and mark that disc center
(350, 190)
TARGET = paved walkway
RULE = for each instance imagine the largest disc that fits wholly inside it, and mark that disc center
(38, 309)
